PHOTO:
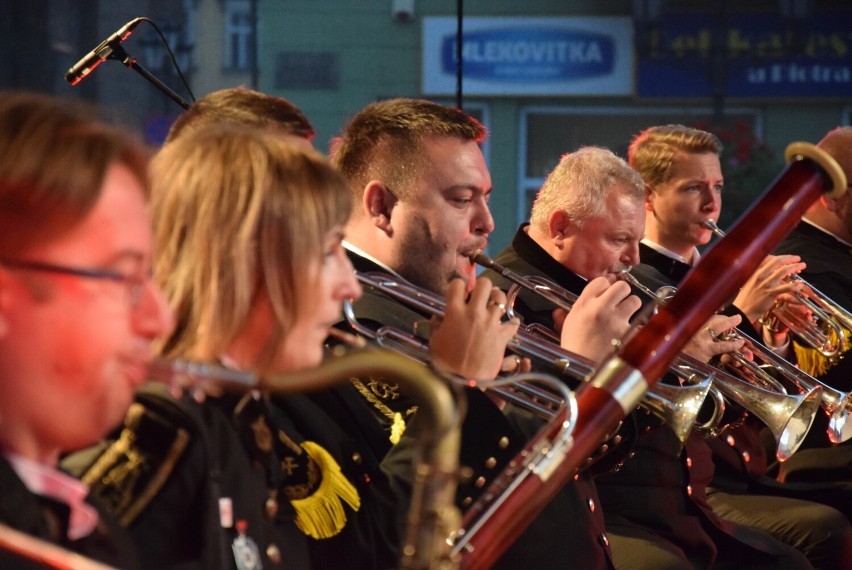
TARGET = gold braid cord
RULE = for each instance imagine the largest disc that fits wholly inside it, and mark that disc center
(815, 363)
(396, 419)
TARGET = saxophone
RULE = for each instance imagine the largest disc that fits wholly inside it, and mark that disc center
(432, 515)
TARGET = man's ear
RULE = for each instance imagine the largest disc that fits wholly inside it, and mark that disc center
(649, 195)
(560, 226)
(378, 202)
(831, 204)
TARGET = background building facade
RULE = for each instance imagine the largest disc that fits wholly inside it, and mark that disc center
(545, 76)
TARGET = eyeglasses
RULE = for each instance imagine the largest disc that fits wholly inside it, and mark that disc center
(135, 284)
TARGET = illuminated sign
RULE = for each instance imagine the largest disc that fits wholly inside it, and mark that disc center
(535, 56)
(759, 57)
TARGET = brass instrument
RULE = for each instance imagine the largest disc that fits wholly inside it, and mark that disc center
(619, 383)
(788, 417)
(829, 316)
(432, 515)
(822, 330)
(678, 406)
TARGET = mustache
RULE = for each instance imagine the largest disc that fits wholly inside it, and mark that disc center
(475, 246)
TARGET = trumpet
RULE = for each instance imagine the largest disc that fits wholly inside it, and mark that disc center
(824, 329)
(678, 406)
(828, 315)
(811, 394)
(432, 515)
(788, 417)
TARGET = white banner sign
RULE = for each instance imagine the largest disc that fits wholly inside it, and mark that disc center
(530, 56)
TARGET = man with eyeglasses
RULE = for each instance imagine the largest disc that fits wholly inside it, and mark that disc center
(77, 313)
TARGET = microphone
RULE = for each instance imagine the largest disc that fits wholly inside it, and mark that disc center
(101, 53)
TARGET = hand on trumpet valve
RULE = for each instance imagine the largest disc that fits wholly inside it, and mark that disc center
(470, 339)
(514, 364)
(771, 279)
(708, 342)
(600, 316)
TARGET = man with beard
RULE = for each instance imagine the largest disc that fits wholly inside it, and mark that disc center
(585, 225)
(824, 242)
(683, 179)
(421, 189)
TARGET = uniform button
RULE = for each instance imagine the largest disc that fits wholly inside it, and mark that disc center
(270, 507)
(604, 540)
(689, 462)
(274, 554)
(631, 455)
(467, 501)
(503, 442)
(603, 449)
(480, 482)
(746, 456)
(616, 440)
(490, 463)
(591, 505)
(576, 476)
(731, 441)
(356, 457)
(689, 490)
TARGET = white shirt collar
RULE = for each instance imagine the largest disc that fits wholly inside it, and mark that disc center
(50, 482)
(696, 256)
(822, 229)
(357, 250)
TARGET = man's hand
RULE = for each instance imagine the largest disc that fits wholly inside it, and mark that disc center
(471, 338)
(759, 293)
(705, 344)
(600, 316)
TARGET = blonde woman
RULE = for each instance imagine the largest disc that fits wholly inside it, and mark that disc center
(248, 241)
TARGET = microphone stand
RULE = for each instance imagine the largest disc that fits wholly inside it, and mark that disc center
(121, 55)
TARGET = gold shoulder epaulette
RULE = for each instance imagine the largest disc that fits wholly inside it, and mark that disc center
(321, 514)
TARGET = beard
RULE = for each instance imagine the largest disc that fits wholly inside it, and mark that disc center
(423, 261)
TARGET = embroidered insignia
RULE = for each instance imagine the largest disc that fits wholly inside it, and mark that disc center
(289, 465)
(384, 390)
(133, 469)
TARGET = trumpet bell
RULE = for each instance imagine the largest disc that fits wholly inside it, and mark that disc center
(802, 411)
(678, 405)
(839, 426)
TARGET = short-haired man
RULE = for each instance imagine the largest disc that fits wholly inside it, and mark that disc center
(78, 311)
(421, 188)
(586, 224)
(243, 106)
(684, 182)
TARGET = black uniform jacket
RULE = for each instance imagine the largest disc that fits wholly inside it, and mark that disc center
(829, 269)
(47, 519)
(203, 485)
(660, 488)
(657, 270)
(569, 533)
